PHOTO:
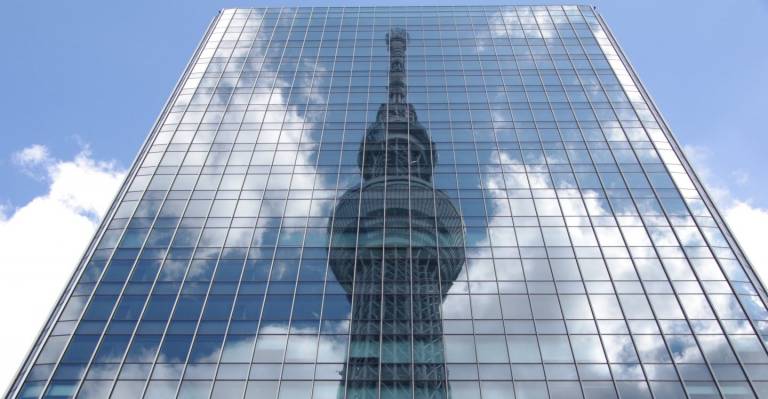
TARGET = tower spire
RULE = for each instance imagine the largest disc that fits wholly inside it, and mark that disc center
(397, 41)
(392, 236)
(397, 109)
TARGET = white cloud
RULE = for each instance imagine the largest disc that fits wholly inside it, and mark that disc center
(747, 221)
(32, 155)
(749, 224)
(33, 161)
(42, 241)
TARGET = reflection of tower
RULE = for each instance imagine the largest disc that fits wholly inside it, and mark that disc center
(397, 246)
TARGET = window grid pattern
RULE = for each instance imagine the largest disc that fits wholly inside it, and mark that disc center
(592, 265)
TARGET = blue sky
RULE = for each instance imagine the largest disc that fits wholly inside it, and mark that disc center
(82, 73)
(83, 82)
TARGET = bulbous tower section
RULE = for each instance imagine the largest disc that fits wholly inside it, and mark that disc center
(397, 245)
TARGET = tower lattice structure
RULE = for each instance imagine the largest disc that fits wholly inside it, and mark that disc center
(397, 245)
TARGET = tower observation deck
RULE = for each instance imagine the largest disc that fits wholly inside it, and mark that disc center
(397, 245)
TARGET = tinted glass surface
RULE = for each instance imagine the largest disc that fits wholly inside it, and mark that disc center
(436, 202)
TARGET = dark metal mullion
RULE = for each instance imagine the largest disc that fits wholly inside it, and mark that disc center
(274, 250)
(135, 329)
(632, 259)
(325, 283)
(410, 227)
(642, 285)
(336, 190)
(385, 178)
(676, 148)
(446, 387)
(248, 250)
(722, 225)
(177, 295)
(44, 333)
(702, 194)
(309, 217)
(610, 205)
(645, 294)
(315, 181)
(565, 226)
(285, 215)
(632, 198)
(449, 110)
(512, 217)
(173, 309)
(93, 294)
(283, 11)
(592, 228)
(199, 321)
(487, 217)
(121, 294)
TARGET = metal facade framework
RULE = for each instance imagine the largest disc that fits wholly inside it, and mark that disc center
(397, 245)
(293, 229)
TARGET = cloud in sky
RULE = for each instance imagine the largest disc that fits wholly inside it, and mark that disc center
(32, 155)
(747, 222)
(42, 241)
(33, 161)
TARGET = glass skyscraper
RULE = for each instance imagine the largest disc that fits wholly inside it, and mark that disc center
(475, 202)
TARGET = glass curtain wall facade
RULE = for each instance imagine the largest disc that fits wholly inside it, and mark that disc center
(408, 202)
